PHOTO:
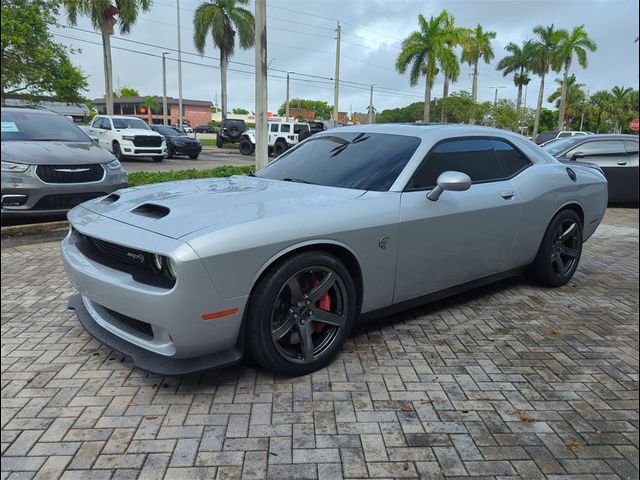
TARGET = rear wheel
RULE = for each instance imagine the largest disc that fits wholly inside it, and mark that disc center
(219, 141)
(279, 148)
(560, 250)
(300, 314)
(246, 147)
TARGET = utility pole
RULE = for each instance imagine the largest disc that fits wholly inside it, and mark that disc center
(583, 110)
(286, 104)
(164, 88)
(371, 104)
(495, 98)
(336, 91)
(262, 152)
(179, 69)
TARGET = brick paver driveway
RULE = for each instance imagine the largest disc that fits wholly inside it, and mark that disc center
(511, 380)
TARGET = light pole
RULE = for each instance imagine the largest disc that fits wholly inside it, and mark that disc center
(286, 103)
(164, 88)
(179, 69)
(495, 98)
(371, 104)
(262, 156)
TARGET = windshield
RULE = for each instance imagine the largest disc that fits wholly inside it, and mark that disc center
(124, 123)
(40, 126)
(370, 161)
(558, 146)
(169, 131)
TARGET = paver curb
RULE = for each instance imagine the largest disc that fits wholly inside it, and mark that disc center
(33, 229)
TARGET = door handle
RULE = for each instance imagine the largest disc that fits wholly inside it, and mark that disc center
(622, 163)
(508, 195)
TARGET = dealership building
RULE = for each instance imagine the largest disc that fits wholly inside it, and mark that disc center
(196, 112)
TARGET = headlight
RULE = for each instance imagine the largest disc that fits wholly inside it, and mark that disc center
(114, 165)
(14, 167)
(128, 137)
(179, 143)
(171, 267)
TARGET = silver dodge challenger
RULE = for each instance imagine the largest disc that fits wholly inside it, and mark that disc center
(351, 224)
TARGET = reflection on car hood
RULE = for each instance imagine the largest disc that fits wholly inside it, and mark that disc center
(54, 153)
(176, 209)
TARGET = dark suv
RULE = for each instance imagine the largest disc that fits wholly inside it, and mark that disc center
(230, 131)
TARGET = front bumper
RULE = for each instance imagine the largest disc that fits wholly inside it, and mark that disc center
(130, 150)
(187, 149)
(53, 199)
(177, 339)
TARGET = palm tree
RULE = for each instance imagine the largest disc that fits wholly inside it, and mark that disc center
(543, 58)
(518, 64)
(449, 64)
(151, 104)
(621, 98)
(574, 96)
(422, 50)
(223, 19)
(569, 43)
(104, 15)
(477, 45)
(602, 103)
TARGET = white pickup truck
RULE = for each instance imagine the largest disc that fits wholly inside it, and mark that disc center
(126, 137)
(281, 137)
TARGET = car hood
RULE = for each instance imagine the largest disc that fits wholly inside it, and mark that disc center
(177, 209)
(54, 153)
(174, 138)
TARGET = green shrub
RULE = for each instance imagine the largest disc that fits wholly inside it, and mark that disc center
(145, 178)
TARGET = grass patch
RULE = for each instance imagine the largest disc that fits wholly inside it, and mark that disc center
(211, 142)
(145, 178)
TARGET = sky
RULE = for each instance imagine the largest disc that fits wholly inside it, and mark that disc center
(301, 40)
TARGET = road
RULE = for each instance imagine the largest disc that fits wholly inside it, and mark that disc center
(508, 381)
(210, 158)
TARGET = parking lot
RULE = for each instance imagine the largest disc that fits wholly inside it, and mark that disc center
(509, 380)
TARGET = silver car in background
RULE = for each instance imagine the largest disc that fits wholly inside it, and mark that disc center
(350, 224)
(49, 165)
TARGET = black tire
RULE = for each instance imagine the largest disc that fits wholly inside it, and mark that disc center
(117, 151)
(279, 148)
(560, 250)
(158, 158)
(270, 304)
(219, 141)
(234, 131)
(246, 147)
(193, 157)
(169, 153)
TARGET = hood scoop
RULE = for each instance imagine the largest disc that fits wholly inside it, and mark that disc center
(151, 210)
(109, 199)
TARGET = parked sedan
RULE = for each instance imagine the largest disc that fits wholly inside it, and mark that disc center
(204, 129)
(616, 155)
(352, 223)
(178, 142)
(49, 165)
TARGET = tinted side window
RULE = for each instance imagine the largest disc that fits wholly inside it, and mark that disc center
(274, 127)
(475, 157)
(285, 128)
(564, 134)
(595, 148)
(300, 128)
(97, 123)
(511, 161)
(631, 147)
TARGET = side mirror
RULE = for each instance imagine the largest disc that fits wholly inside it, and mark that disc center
(95, 139)
(452, 181)
(577, 155)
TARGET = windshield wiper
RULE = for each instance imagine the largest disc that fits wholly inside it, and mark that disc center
(296, 180)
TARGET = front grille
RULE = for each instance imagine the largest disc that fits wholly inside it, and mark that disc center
(138, 325)
(147, 141)
(70, 173)
(64, 201)
(136, 262)
(137, 152)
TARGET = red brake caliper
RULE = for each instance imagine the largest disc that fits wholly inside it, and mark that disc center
(325, 304)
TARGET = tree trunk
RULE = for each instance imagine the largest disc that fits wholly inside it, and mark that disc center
(108, 71)
(427, 101)
(474, 87)
(536, 123)
(519, 98)
(223, 83)
(563, 98)
(445, 95)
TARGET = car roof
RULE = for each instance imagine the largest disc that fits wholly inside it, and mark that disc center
(30, 108)
(425, 130)
(608, 136)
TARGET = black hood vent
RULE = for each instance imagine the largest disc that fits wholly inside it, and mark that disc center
(151, 210)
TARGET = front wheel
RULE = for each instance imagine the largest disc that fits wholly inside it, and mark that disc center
(300, 314)
(246, 147)
(560, 250)
(279, 148)
(219, 142)
(193, 157)
(117, 151)
(158, 159)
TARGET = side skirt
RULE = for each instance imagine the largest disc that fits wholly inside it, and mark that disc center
(435, 296)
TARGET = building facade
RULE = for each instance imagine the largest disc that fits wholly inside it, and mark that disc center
(195, 112)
